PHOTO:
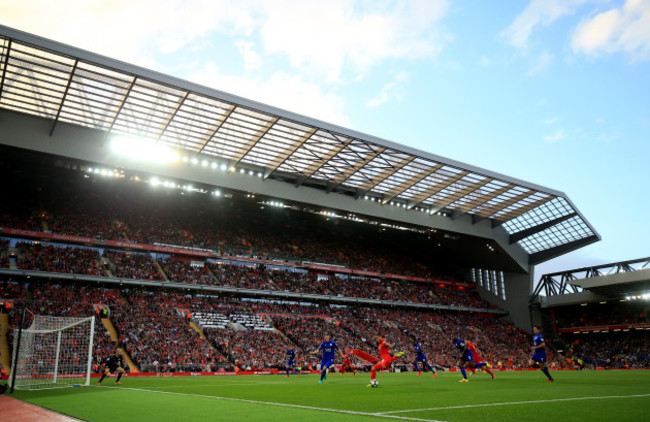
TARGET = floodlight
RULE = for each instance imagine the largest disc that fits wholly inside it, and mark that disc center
(224, 167)
(144, 150)
(204, 163)
(214, 165)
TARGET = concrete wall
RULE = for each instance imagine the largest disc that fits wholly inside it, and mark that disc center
(518, 290)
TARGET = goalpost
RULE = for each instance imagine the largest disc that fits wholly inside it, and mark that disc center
(53, 352)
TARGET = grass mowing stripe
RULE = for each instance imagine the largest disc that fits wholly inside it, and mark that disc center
(467, 406)
(211, 385)
(297, 406)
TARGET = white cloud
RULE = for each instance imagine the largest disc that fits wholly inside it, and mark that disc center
(252, 60)
(132, 31)
(538, 12)
(625, 29)
(281, 90)
(392, 90)
(540, 63)
(557, 136)
(326, 40)
(551, 120)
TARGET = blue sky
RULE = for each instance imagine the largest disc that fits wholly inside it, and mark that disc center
(553, 92)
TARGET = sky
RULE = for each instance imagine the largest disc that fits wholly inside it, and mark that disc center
(552, 92)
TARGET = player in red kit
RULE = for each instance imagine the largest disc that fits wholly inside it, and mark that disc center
(478, 360)
(346, 366)
(383, 362)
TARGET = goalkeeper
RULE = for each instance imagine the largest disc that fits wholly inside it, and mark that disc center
(111, 365)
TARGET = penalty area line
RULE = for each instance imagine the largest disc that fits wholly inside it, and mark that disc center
(511, 403)
(270, 403)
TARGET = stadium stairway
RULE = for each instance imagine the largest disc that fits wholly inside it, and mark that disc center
(113, 332)
(212, 274)
(160, 270)
(13, 264)
(4, 343)
(212, 346)
(200, 331)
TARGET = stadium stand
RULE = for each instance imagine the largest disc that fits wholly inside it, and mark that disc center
(153, 322)
(123, 211)
(612, 350)
(154, 328)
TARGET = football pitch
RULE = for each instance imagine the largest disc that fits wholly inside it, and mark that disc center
(512, 396)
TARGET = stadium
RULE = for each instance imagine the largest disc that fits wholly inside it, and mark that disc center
(205, 235)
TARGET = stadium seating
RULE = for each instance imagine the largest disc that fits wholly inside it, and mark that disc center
(155, 331)
(123, 210)
(152, 324)
(613, 350)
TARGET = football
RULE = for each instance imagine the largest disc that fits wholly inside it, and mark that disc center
(374, 383)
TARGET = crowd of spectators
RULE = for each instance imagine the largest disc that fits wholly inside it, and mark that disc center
(63, 301)
(156, 333)
(614, 349)
(132, 265)
(597, 314)
(123, 209)
(154, 328)
(252, 349)
(141, 265)
(157, 336)
(75, 260)
(77, 302)
(183, 272)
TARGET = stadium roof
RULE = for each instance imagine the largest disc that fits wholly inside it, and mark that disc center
(607, 281)
(47, 79)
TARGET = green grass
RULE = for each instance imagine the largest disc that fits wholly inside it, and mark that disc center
(512, 396)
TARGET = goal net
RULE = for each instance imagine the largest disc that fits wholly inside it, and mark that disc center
(54, 352)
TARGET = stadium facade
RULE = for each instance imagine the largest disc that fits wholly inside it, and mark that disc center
(73, 104)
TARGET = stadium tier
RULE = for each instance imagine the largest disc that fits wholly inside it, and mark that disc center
(154, 328)
(67, 203)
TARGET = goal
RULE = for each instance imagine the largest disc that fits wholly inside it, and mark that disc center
(53, 352)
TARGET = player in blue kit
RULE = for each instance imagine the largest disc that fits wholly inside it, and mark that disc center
(291, 362)
(466, 357)
(538, 359)
(329, 348)
(422, 358)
